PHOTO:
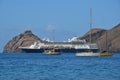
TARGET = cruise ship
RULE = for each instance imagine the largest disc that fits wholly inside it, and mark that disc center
(74, 45)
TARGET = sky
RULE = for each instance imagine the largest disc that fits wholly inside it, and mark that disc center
(67, 18)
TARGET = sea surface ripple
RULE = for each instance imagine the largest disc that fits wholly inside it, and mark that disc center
(58, 67)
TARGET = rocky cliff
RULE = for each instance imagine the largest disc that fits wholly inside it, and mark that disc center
(113, 40)
(95, 34)
(101, 36)
(24, 39)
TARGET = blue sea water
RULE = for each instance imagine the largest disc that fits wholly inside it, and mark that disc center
(62, 67)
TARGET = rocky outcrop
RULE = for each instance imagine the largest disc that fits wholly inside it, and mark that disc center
(95, 34)
(101, 36)
(113, 40)
(24, 39)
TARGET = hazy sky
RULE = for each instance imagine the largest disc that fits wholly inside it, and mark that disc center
(67, 17)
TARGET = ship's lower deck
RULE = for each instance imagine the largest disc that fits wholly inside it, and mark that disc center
(70, 50)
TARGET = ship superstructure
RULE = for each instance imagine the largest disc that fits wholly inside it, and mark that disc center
(73, 45)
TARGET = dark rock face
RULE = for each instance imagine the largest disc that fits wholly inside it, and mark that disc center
(113, 40)
(99, 37)
(25, 39)
(95, 34)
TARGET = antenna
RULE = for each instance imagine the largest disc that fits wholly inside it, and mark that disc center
(53, 31)
(51, 28)
(90, 25)
(106, 42)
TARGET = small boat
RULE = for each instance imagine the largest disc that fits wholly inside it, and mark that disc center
(51, 52)
(106, 54)
(87, 54)
(90, 54)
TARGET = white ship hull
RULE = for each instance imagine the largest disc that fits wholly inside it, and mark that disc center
(87, 54)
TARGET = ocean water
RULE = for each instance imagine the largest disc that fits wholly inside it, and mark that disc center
(62, 67)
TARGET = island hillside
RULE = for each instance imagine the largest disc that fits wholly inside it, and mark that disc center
(22, 40)
(98, 36)
(101, 36)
